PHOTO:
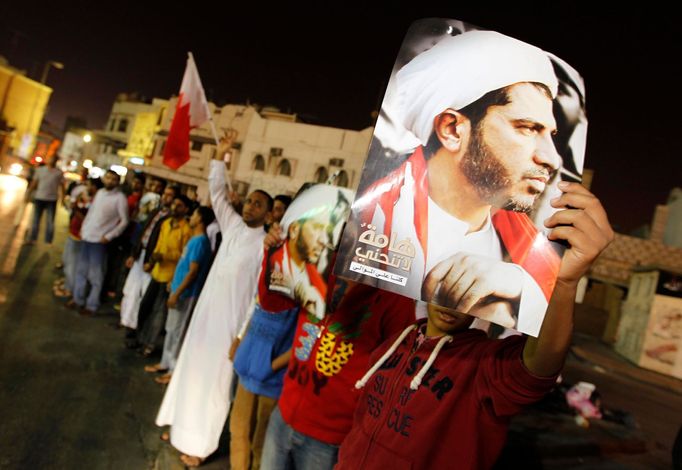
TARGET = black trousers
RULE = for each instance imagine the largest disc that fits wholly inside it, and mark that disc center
(151, 318)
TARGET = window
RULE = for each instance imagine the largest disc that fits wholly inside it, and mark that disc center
(122, 125)
(112, 125)
(258, 163)
(336, 162)
(275, 152)
(284, 168)
(342, 179)
(196, 146)
(321, 175)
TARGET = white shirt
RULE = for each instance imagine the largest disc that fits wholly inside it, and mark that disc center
(107, 216)
(48, 180)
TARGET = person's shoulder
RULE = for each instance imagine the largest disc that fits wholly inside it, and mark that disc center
(492, 348)
(203, 245)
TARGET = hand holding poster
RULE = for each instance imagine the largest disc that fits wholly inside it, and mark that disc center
(312, 226)
(474, 135)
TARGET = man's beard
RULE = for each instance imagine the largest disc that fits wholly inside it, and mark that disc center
(488, 175)
(304, 252)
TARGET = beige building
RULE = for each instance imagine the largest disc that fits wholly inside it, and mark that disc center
(22, 105)
(130, 131)
(274, 151)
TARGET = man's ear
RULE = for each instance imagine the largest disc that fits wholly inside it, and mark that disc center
(294, 229)
(450, 127)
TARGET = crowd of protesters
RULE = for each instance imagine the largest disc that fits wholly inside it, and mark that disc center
(295, 391)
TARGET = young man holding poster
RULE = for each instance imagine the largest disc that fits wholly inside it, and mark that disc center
(480, 103)
(441, 393)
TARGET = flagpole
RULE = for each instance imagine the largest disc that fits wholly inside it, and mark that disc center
(210, 120)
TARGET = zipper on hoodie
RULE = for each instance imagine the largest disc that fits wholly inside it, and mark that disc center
(389, 398)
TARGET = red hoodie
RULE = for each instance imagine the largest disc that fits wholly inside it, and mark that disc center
(458, 415)
(330, 355)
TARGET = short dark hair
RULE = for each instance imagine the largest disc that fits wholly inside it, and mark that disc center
(207, 215)
(160, 180)
(140, 177)
(271, 201)
(112, 172)
(185, 200)
(477, 110)
(175, 189)
(284, 199)
(97, 182)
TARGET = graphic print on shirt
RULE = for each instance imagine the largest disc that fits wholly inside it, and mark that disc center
(335, 346)
(397, 419)
(307, 340)
(388, 394)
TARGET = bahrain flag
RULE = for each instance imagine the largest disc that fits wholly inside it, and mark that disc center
(191, 111)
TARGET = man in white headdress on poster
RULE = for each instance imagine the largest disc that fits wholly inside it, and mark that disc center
(480, 104)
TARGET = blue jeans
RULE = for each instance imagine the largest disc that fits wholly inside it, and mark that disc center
(176, 325)
(70, 261)
(38, 207)
(287, 449)
(90, 269)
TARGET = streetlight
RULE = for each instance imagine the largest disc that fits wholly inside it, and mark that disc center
(46, 69)
(87, 138)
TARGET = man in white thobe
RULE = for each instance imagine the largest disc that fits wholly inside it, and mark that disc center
(197, 400)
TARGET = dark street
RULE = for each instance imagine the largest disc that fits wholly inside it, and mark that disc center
(71, 396)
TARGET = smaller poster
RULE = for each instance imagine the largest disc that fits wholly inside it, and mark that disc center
(312, 227)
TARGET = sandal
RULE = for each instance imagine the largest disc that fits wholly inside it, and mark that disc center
(191, 460)
(155, 368)
(163, 379)
(62, 293)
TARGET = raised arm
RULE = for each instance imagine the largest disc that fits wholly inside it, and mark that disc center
(225, 214)
(584, 225)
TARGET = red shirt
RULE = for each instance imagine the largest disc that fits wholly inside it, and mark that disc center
(330, 355)
(457, 417)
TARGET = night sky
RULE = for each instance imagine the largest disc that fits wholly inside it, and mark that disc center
(332, 70)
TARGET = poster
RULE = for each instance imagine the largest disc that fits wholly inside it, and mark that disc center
(475, 131)
(312, 227)
(663, 337)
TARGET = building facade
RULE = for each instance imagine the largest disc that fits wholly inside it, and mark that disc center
(22, 106)
(273, 151)
(130, 130)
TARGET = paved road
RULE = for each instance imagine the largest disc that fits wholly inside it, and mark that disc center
(70, 395)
